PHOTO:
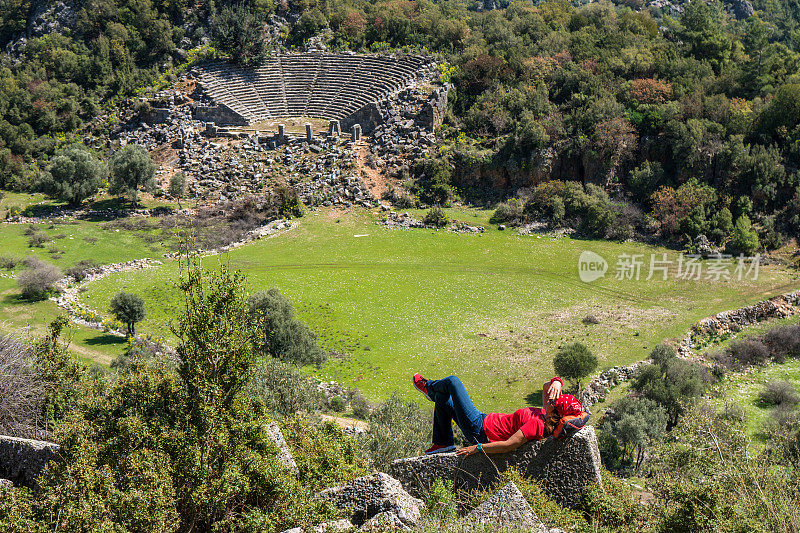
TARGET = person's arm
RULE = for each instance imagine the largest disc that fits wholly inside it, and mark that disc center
(512, 443)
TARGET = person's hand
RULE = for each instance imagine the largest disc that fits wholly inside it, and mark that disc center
(554, 391)
(467, 450)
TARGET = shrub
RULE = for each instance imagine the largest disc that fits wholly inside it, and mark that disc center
(359, 405)
(780, 393)
(509, 213)
(574, 362)
(284, 336)
(337, 404)
(744, 239)
(397, 428)
(783, 341)
(82, 269)
(37, 240)
(38, 279)
(129, 309)
(177, 186)
(284, 389)
(435, 217)
(22, 387)
(670, 381)
(9, 262)
(746, 353)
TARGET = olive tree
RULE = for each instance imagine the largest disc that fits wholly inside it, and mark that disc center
(284, 336)
(74, 174)
(574, 362)
(132, 168)
(129, 309)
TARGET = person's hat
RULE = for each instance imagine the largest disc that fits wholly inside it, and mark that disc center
(568, 405)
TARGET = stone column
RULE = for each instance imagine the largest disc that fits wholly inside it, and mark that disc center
(281, 134)
(309, 133)
(334, 128)
(356, 132)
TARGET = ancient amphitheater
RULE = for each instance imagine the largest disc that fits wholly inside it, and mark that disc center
(333, 86)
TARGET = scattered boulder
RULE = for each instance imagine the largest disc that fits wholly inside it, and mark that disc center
(336, 525)
(741, 9)
(369, 496)
(562, 467)
(22, 460)
(507, 508)
(284, 453)
(5, 483)
(327, 527)
(385, 521)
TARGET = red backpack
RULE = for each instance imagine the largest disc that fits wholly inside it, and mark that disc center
(573, 416)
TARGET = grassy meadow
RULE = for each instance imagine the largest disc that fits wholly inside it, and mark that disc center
(66, 242)
(492, 308)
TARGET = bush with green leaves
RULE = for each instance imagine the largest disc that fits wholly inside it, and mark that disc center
(779, 393)
(177, 186)
(671, 382)
(157, 449)
(38, 279)
(129, 309)
(708, 477)
(435, 217)
(74, 174)
(574, 362)
(509, 213)
(132, 169)
(337, 404)
(397, 429)
(284, 336)
(284, 389)
(636, 423)
(744, 239)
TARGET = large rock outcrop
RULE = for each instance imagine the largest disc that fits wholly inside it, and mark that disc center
(507, 508)
(563, 467)
(284, 453)
(368, 496)
(22, 460)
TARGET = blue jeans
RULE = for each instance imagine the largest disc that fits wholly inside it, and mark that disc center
(453, 403)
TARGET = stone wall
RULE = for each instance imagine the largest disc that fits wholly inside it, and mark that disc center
(732, 321)
(22, 460)
(219, 114)
(597, 388)
(563, 467)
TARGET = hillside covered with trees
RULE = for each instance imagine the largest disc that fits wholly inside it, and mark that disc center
(687, 113)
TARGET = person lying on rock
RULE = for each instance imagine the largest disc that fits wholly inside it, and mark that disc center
(494, 432)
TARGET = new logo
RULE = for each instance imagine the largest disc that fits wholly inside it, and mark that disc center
(591, 266)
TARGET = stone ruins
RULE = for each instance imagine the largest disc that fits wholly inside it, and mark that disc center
(317, 122)
(343, 87)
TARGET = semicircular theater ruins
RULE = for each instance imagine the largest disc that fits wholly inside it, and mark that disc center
(331, 86)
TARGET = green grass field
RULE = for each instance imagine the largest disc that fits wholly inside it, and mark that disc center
(66, 244)
(492, 308)
(743, 388)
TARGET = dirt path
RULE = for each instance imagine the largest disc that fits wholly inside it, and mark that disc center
(375, 180)
(345, 423)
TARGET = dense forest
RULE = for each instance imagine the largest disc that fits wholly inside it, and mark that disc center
(686, 112)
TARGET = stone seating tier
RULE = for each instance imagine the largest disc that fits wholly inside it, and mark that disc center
(317, 85)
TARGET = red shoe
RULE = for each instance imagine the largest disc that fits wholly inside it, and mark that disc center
(440, 449)
(421, 384)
